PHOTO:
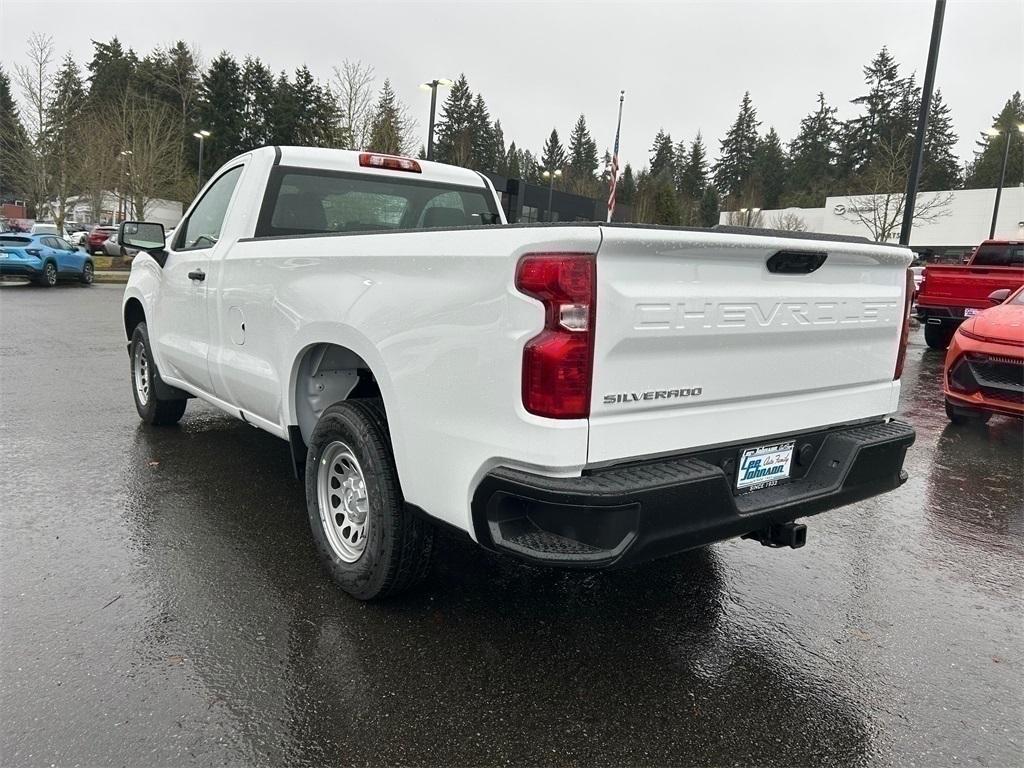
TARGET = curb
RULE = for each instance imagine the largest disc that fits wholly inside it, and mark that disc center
(111, 276)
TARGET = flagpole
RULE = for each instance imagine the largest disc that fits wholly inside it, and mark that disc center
(615, 159)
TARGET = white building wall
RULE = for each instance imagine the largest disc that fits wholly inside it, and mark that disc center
(966, 222)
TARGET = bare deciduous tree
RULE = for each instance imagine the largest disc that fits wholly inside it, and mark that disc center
(352, 85)
(150, 139)
(745, 218)
(35, 80)
(787, 221)
(880, 208)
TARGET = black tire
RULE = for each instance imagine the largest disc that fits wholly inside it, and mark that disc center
(153, 410)
(398, 545)
(49, 276)
(960, 415)
(938, 336)
(88, 273)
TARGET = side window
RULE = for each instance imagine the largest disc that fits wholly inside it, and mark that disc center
(51, 242)
(64, 245)
(202, 229)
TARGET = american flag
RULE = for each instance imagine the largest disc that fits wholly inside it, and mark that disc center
(615, 161)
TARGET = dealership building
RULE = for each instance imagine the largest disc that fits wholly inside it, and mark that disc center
(959, 224)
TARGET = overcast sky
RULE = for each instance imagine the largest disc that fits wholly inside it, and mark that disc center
(684, 65)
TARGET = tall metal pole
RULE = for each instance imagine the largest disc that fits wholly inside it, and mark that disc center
(999, 190)
(551, 187)
(922, 122)
(615, 158)
(200, 161)
(433, 108)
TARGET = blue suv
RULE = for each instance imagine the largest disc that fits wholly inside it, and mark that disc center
(43, 259)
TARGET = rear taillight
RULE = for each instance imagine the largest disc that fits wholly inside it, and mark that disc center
(901, 353)
(33, 252)
(388, 162)
(558, 362)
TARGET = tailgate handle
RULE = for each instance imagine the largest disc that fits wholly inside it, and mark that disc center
(795, 262)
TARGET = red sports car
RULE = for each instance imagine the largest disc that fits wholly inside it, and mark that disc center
(984, 372)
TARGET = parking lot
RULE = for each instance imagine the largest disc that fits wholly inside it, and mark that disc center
(161, 604)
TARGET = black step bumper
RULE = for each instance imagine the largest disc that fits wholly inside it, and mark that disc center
(627, 514)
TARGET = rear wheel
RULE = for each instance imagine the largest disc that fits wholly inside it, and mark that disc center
(88, 273)
(49, 277)
(146, 382)
(366, 537)
(938, 336)
(958, 414)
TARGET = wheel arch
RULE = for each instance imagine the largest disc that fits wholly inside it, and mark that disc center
(330, 370)
(133, 313)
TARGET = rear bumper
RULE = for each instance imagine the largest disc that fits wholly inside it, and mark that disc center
(19, 269)
(941, 315)
(627, 514)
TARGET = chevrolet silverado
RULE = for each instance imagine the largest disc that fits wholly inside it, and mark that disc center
(578, 394)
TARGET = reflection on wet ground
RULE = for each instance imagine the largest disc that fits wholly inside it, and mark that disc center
(161, 604)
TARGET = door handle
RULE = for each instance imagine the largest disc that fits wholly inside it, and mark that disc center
(197, 275)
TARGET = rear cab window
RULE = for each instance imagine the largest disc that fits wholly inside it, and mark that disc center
(304, 201)
(999, 255)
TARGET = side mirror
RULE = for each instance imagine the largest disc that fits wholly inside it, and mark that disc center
(998, 297)
(143, 236)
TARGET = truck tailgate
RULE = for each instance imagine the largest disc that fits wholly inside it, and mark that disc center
(698, 343)
(956, 286)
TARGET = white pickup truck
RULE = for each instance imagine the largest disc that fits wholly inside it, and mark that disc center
(579, 394)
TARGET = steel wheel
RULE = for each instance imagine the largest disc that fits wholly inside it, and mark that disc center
(344, 506)
(140, 373)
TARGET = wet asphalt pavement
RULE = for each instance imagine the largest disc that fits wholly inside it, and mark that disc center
(161, 604)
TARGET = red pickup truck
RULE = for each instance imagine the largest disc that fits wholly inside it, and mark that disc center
(951, 293)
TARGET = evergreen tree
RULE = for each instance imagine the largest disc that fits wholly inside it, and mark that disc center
(483, 150)
(770, 169)
(694, 176)
(889, 110)
(453, 143)
(582, 159)
(62, 135)
(284, 115)
(680, 159)
(500, 156)
(709, 207)
(813, 155)
(625, 190)
(735, 164)
(111, 73)
(171, 77)
(387, 130)
(662, 156)
(940, 168)
(315, 109)
(13, 142)
(221, 110)
(553, 157)
(988, 158)
(513, 165)
(258, 110)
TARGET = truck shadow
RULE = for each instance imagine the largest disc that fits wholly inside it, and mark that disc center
(490, 661)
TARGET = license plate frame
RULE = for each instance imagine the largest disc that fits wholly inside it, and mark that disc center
(764, 466)
(971, 311)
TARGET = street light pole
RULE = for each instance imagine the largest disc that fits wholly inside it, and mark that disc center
(201, 135)
(910, 199)
(551, 176)
(432, 86)
(122, 201)
(1002, 177)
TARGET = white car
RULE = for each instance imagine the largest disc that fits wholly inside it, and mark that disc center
(580, 395)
